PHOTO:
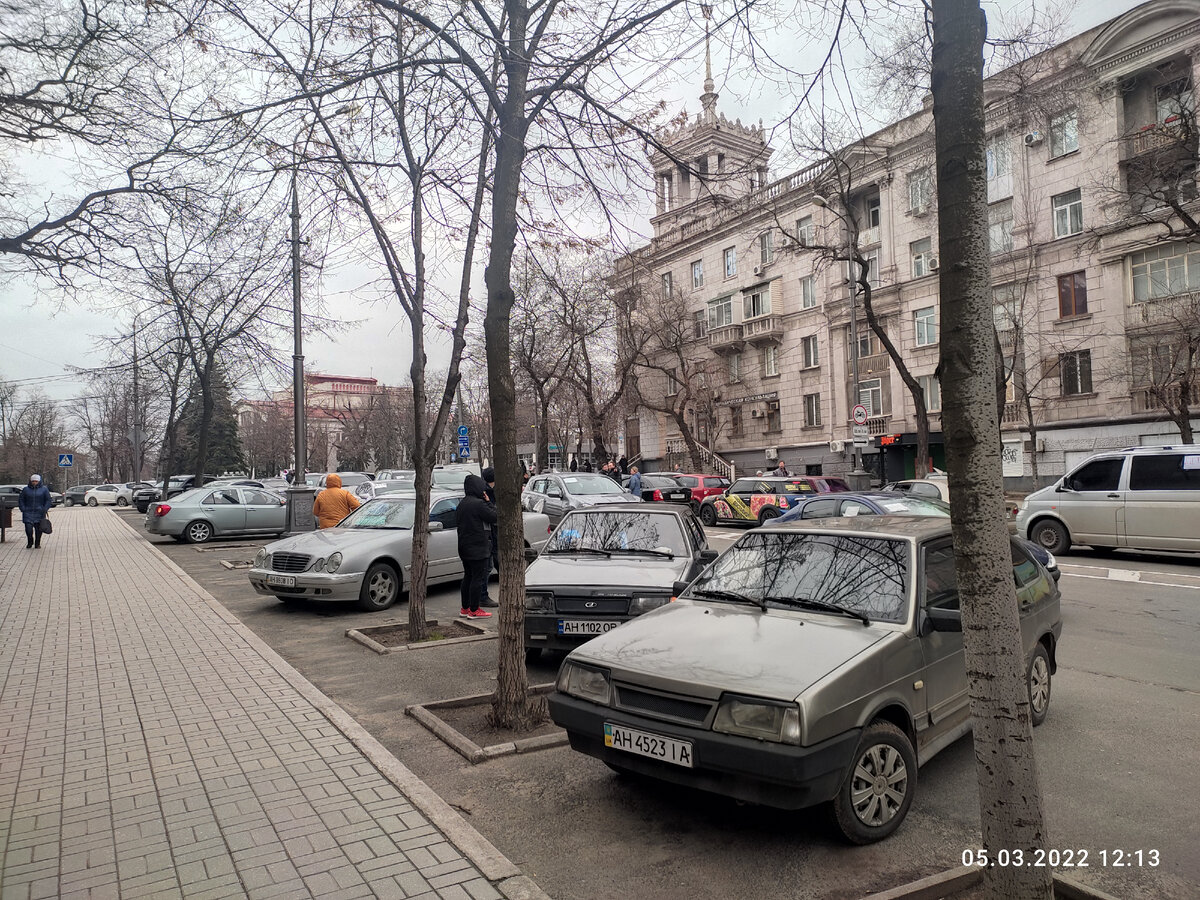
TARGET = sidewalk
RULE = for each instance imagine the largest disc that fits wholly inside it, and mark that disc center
(151, 746)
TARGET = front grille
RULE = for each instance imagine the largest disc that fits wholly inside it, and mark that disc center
(289, 562)
(603, 606)
(660, 705)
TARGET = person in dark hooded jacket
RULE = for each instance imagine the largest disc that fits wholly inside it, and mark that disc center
(476, 518)
(485, 599)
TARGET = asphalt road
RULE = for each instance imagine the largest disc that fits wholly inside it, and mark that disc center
(1117, 757)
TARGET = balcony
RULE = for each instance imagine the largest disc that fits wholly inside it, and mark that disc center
(1165, 397)
(868, 237)
(877, 425)
(1156, 138)
(726, 339)
(763, 330)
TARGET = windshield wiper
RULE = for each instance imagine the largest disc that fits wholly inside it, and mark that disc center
(729, 595)
(592, 550)
(809, 603)
(667, 553)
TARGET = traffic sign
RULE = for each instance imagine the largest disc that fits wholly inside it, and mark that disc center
(860, 436)
(463, 431)
(66, 460)
(860, 414)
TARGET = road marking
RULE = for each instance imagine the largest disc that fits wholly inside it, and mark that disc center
(1109, 577)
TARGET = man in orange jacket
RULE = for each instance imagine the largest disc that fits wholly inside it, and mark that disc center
(334, 503)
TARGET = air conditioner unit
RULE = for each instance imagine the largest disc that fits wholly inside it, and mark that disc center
(758, 270)
(772, 453)
(756, 413)
(933, 264)
(1033, 138)
(919, 210)
(837, 446)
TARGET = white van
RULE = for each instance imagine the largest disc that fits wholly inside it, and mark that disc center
(1142, 498)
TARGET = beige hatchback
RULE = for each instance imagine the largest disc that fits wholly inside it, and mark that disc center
(810, 664)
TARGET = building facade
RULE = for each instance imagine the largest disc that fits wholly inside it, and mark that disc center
(1093, 225)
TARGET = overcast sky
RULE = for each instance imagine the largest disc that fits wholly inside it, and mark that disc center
(40, 339)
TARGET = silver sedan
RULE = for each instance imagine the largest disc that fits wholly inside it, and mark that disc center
(367, 557)
(196, 516)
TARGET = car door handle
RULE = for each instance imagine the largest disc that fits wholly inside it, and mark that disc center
(1114, 496)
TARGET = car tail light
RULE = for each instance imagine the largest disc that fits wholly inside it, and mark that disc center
(549, 529)
(162, 509)
(657, 494)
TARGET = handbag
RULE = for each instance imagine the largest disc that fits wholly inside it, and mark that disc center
(47, 528)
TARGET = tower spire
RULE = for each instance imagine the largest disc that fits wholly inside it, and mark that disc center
(708, 100)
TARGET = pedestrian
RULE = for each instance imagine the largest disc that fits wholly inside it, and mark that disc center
(476, 519)
(635, 482)
(485, 599)
(34, 503)
(334, 503)
(678, 469)
(623, 466)
(781, 470)
(587, 464)
(574, 464)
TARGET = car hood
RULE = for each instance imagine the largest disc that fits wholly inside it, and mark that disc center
(563, 570)
(706, 649)
(348, 541)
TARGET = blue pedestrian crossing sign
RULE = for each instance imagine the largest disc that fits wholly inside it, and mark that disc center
(66, 460)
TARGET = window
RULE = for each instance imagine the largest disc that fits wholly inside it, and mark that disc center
(1000, 227)
(730, 262)
(940, 577)
(770, 361)
(870, 395)
(699, 324)
(1064, 134)
(873, 212)
(698, 274)
(666, 285)
(866, 341)
(446, 512)
(1173, 102)
(1165, 472)
(773, 422)
(766, 248)
(819, 509)
(1097, 475)
(1072, 295)
(221, 498)
(736, 427)
(921, 251)
(720, 313)
(1165, 270)
(806, 232)
(1075, 371)
(999, 163)
(812, 410)
(854, 269)
(920, 189)
(926, 326)
(808, 346)
(672, 382)
(1004, 308)
(1068, 213)
(932, 389)
(735, 368)
(808, 292)
(757, 303)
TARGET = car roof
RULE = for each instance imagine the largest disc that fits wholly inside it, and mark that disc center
(851, 495)
(647, 508)
(915, 528)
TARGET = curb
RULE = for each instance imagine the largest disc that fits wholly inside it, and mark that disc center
(946, 884)
(371, 644)
(467, 748)
(492, 864)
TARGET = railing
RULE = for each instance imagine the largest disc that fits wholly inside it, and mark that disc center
(878, 425)
(1165, 397)
(726, 336)
(763, 328)
(1156, 137)
(868, 236)
(1012, 413)
(709, 460)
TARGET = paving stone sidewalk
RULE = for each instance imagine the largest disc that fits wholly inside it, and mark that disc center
(151, 746)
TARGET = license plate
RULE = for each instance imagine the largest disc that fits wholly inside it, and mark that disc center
(655, 746)
(585, 626)
(282, 580)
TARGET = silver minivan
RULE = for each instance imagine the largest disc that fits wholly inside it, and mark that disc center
(1141, 498)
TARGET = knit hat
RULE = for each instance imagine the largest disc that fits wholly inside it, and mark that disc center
(35, 477)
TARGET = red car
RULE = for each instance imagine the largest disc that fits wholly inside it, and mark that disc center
(701, 485)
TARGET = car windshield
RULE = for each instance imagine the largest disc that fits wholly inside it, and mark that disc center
(659, 481)
(619, 532)
(907, 505)
(864, 575)
(448, 478)
(394, 512)
(349, 479)
(591, 484)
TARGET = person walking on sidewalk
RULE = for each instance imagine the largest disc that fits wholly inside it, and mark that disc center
(334, 503)
(476, 518)
(485, 599)
(635, 482)
(34, 503)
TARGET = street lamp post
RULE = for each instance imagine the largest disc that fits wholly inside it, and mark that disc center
(300, 516)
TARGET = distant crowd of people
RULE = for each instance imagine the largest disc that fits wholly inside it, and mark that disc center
(615, 468)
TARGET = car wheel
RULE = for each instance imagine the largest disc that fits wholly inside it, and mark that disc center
(67, 501)
(197, 532)
(1051, 535)
(708, 516)
(1038, 680)
(121, 501)
(767, 514)
(380, 588)
(533, 654)
(879, 788)
(92, 501)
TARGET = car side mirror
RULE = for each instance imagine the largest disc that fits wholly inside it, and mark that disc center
(530, 555)
(707, 556)
(944, 619)
(679, 587)
(1063, 488)
(435, 526)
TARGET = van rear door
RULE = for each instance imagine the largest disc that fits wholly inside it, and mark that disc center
(1162, 505)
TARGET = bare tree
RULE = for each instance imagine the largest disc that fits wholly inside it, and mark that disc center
(36, 435)
(1164, 355)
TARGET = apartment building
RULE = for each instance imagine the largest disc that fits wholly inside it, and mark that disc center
(1091, 157)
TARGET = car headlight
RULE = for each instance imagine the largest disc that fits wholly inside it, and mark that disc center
(539, 602)
(319, 564)
(760, 719)
(584, 683)
(641, 604)
(262, 559)
(333, 563)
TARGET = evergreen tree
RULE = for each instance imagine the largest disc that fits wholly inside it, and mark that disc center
(224, 447)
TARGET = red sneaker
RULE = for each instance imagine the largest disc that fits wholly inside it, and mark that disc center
(464, 613)
(478, 614)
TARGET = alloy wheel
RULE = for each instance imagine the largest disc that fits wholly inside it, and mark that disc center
(880, 782)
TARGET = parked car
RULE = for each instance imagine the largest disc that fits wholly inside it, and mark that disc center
(659, 488)
(108, 495)
(701, 485)
(935, 486)
(606, 564)
(557, 493)
(350, 480)
(75, 495)
(753, 501)
(452, 477)
(199, 515)
(805, 666)
(367, 557)
(1140, 498)
(369, 490)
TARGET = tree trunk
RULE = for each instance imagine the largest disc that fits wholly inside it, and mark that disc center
(1033, 437)
(1009, 796)
(542, 450)
(207, 404)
